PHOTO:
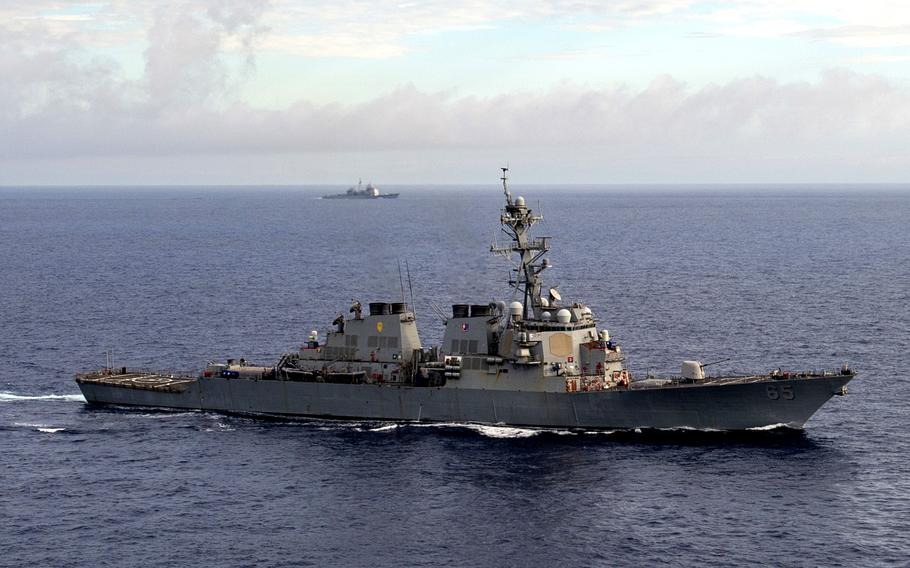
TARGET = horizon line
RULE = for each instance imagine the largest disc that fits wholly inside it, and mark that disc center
(468, 184)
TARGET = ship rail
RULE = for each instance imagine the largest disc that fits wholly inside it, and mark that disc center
(719, 380)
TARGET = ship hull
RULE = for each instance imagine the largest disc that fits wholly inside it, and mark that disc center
(787, 402)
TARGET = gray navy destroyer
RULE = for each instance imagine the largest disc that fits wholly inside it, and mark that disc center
(360, 192)
(539, 361)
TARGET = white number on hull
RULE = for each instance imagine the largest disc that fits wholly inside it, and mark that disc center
(784, 392)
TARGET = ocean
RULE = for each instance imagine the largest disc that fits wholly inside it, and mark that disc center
(796, 277)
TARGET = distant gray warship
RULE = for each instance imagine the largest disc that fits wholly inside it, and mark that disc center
(538, 362)
(360, 192)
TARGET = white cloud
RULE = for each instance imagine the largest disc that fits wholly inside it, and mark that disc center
(765, 28)
(330, 45)
(385, 28)
(59, 101)
(863, 36)
(60, 17)
(881, 58)
(862, 119)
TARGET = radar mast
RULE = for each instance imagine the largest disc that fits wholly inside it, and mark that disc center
(516, 220)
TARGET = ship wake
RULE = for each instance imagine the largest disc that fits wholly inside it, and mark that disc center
(14, 397)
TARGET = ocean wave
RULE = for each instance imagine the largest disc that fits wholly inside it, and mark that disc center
(488, 430)
(329, 425)
(497, 430)
(46, 428)
(13, 397)
(769, 427)
(219, 426)
(165, 414)
(385, 428)
(503, 431)
(678, 429)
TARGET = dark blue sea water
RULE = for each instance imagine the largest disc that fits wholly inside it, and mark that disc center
(172, 277)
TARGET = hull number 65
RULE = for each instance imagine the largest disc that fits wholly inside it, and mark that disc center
(778, 392)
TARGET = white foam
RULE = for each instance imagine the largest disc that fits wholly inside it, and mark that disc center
(160, 415)
(39, 427)
(329, 426)
(13, 397)
(683, 429)
(503, 431)
(494, 431)
(769, 427)
(488, 430)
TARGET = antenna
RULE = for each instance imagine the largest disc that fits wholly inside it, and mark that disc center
(439, 313)
(554, 294)
(400, 281)
(516, 220)
(505, 187)
(407, 266)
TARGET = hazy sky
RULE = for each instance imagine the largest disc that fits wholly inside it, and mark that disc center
(575, 91)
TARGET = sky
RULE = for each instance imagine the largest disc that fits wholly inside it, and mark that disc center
(439, 92)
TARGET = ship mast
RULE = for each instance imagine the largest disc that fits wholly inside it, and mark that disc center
(517, 220)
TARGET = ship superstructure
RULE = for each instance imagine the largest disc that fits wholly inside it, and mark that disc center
(537, 361)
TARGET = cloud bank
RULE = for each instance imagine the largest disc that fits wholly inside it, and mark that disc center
(58, 102)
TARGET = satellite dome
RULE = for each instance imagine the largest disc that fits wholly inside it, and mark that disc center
(563, 316)
(545, 302)
(516, 308)
(546, 316)
(520, 201)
